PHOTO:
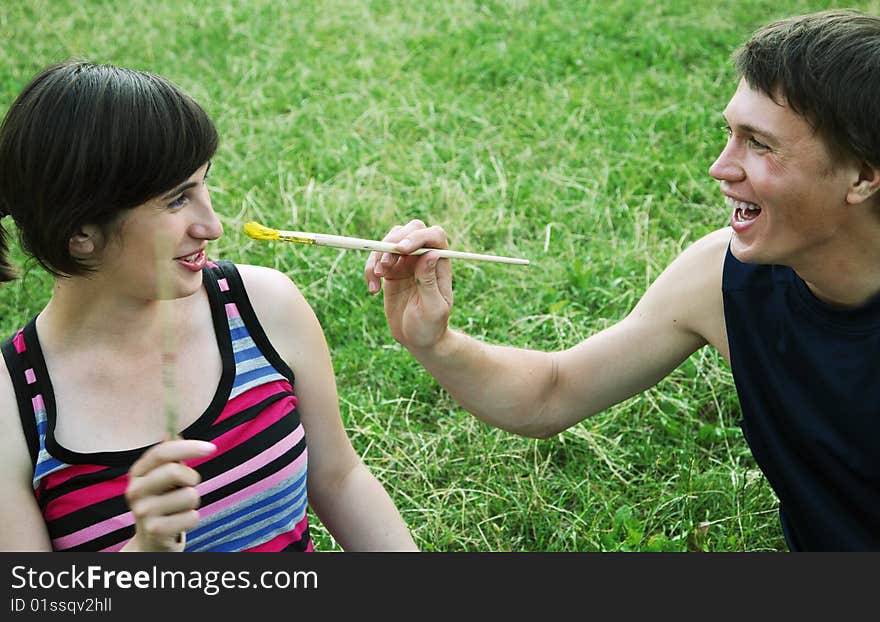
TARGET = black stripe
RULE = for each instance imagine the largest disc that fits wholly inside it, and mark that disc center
(87, 516)
(78, 482)
(38, 362)
(300, 545)
(246, 450)
(255, 476)
(249, 413)
(249, 317)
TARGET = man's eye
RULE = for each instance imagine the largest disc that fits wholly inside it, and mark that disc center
(757, 144)
(725, 129)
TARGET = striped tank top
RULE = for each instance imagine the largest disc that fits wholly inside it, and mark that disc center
(253, 488)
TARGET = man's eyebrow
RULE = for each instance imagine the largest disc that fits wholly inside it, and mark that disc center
(751, 129)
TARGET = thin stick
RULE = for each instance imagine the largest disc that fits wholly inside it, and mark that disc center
(169, 342)
(340, 241)
(165, 293)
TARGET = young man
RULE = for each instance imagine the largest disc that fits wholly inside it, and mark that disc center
(789, 294)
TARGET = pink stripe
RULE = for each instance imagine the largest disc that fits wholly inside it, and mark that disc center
(115, 548)
(93, 531)
(30, 376)
(254, 396)
(224, 285)
(18, 341)
(37, 401)
(82, 497)
(231, 310)
(59, 477)
(282, 541)
(211, 264)
(246, 430)
(288, 472)
(255, 463)
(127, 519)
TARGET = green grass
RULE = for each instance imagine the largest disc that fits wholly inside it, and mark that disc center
(577, 134)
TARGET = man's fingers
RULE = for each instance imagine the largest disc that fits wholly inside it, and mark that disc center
(430, 237)
(434, 282)
(374, 282)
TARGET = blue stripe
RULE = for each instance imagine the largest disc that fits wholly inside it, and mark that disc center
(46, 466)
(253, 538)
(239, 333)
(254, 374)
(246, 355)
(246, 532)
(224, 527)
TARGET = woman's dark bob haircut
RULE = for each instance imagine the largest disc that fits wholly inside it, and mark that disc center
(84, 142)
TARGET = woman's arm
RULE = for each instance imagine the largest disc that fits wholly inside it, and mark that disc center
(348, 499)
(23, 527)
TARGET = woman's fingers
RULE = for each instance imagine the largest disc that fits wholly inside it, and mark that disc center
(161, 493)
(165, 477)
(171, 451)
(165, 526)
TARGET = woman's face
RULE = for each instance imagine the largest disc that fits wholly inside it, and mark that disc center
(159, 247)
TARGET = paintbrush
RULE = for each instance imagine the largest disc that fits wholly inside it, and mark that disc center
(262, 232)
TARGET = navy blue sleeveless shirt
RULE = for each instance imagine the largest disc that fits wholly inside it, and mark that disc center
(808, 379)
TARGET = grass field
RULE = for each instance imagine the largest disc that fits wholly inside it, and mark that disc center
(577, 134)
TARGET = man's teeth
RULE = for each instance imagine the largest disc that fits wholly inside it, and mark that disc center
(741, 205)
(191, 258)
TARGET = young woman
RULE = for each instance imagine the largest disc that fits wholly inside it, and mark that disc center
(103, 169)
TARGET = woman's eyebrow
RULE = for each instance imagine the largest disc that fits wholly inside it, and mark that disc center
(184, 186)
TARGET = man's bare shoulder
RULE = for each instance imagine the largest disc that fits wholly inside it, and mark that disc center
(703, 262)
(711, 246)
(699, 267)
(688, 292)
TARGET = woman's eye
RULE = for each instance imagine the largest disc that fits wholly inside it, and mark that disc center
(179, 202)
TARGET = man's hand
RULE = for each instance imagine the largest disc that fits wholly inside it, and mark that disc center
(418, 290)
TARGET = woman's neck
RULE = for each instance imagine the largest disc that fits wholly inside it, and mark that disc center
(82, 312)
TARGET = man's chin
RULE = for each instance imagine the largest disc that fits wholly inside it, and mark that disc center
(745, 253)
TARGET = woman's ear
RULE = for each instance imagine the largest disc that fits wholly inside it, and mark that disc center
(85, 242)
(865, 186)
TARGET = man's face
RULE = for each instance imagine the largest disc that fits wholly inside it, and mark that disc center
(787, 201)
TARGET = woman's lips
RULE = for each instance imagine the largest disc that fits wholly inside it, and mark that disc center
(194, 261)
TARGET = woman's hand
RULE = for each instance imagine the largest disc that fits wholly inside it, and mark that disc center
(162, 496)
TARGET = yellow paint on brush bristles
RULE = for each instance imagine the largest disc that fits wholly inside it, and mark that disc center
(260, 232)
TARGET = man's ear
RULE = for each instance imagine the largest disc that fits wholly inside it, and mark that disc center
(85, 242)
(865, 186)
